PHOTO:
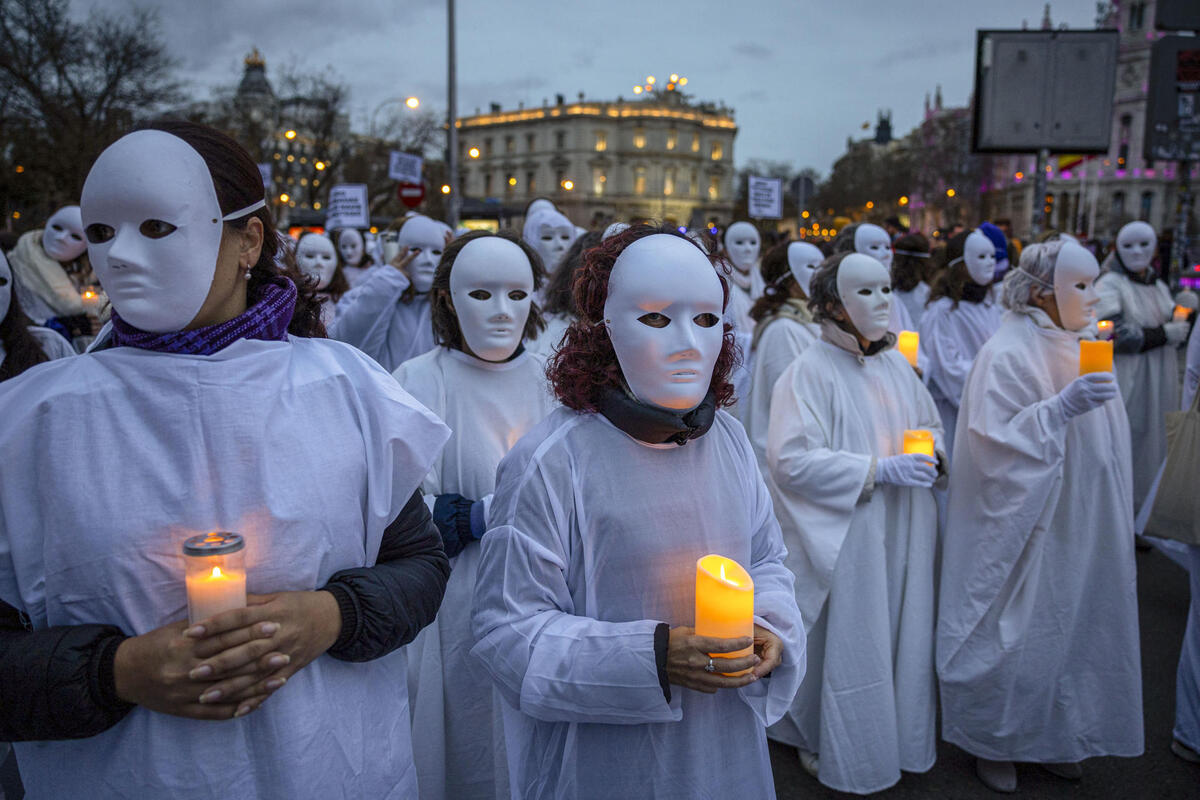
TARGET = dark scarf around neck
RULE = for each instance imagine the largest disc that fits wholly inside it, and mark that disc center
(655, 425)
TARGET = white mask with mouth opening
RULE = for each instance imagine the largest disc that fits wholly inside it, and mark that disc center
(663, 316)
(1075, 273)
(428, 238)
(317, 257)
(1136, 243)
(153, 225)
(979, 255)
(865, 289)
(874, 241)
(352, 247)
(550, 234)
(6, 290)
(743, 244)
(803, 261)
(63, 238)
(491, 286)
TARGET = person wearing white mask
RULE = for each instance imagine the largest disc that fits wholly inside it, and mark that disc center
(211, 409)
(387, 315)
(872, 240)
(355, 261)
(558, 304)
(490, 391)
(1037, 644)
(550, 233)
(860, 523)
(962, 314)
(1146, 340)
(317, 258)
(783, 329)
(23, 344)
(910, 266)
(585, 597)
(743, 244)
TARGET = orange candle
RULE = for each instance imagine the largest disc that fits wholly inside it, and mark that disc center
(1095, 356)
(724, 602)
(1105, 327)
(907, 343)
(1181, 313)
(919, 441)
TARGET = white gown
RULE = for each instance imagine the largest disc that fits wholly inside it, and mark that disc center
(1037, 644)
(1149, 381)
(914, 303)
(548, 340)
(306, 448)
(950, 338)
(54, 345)
(489, 407)
(373, 318)
(780, 341)
(594, 542)
(863, 556)
(737, 314)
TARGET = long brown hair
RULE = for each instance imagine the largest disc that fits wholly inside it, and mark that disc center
(780, 283)
(953, 277)
(21, 349)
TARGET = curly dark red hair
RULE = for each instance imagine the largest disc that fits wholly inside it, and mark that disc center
(586, 363)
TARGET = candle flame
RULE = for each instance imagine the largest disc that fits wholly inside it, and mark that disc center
(216, 573)
(89, 294)
(731, 581)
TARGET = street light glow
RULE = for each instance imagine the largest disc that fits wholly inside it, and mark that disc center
(568, 185)
(20, 169)
(412, 102)
(870, 205)
(283, 198)
(683, 81)
(949, 193)
(650, 79)
(904, 200)
(637, 90)
(289, 135)
(803, 215)
(473, 152)
(512, 181)
(445, 188)
(320, 165)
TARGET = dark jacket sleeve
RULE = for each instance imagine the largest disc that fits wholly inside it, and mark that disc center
(384, 606)
(57, 683)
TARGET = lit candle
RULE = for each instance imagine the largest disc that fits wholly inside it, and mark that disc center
(1105, 327)
(1182, 313)
(91, 300)
(216, 574)
(919, 441)
(724, 602)
(1095, 356)
(907, 342)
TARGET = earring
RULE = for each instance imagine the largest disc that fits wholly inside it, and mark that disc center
(247, 272)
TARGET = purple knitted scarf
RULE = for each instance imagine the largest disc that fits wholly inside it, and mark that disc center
(267, 318)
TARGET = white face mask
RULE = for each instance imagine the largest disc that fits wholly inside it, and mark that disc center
(6, 288)
(742, 243)
(63, 238)
(551, 234)
(153, 225)
(1136, 243)
(979, 255)
(1075, 274)
(803, 261)
(491, 286)
(350, 245)
(428, 238)
(865, 289)
(316, 257)
(663, 316)
(874, 241)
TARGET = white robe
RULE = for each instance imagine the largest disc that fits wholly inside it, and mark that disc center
(306, 448)
(373, 318)
(548, 340)
(1149, 381)
(737, 314)
(914, 302)
(489, 407)
(950, 338)
(594, 542)
(863, 555)
(53, 344)
(1037, 644)
(779, 343)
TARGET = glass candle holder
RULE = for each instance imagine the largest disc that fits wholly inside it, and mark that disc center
(216, 574)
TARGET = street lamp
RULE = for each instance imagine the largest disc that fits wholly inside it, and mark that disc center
(473, 152)
(289, 135)
(568, 185)
(412, 102)
(949, 193)
(445, 188)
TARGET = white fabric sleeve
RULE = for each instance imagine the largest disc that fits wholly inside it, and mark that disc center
(943, 344)
(1108, 286)
(364, 314)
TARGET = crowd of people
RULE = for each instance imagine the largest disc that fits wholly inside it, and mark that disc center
(476, 474)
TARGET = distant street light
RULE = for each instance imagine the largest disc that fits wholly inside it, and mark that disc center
(473, 152)
(412, 102)
(904, 200)
(283, 198)
(568, 185)
(320, 165)
(289, 135)
(870, 205)
(445, 188)
(949, 193)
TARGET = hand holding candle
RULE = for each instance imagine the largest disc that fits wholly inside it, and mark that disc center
(1095, 356)
(91, 299)
(216, 574)
(908, 343)
(919, 441)
(724, 602)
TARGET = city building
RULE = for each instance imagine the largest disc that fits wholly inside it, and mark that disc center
(658, 156)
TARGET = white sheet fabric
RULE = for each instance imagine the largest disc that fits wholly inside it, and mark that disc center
(548, 340)
(950, 338)
(489, 406)
(779, 344)
(54, 345)
(1149, 381)
(737, 314)
(863, 557)
(594, 541)
(914, 302)
(306, 448)
(1037, 645)
(373, 318)
(1187, 678)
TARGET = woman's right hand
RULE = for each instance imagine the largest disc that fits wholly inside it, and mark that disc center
(403, 258)
(688, 657)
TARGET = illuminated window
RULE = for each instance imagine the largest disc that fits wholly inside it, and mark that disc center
(639, 138)
(717, 151)
(601, 141)
(714, 188)
(695, 143)
(598, 181)
(669, 182)
(639, 180)
(672, 139)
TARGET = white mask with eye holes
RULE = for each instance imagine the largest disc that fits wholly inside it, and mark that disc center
(317, 258)
(63, 238)
(428, 238)
(804, 260)
(154, 225)
(491, 286)
(350, 244)
(743, 245)
(865, 289)
(979, 255)
(6, 290)
(1075, 273)
(663, 316)
(1136, 242)
(874, 241)
(550, 234)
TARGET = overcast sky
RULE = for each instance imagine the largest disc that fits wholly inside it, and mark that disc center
(801, 75)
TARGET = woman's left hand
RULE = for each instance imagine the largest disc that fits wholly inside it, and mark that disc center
(769, 648)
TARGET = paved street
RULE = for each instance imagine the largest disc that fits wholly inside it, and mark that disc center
(1163, 595)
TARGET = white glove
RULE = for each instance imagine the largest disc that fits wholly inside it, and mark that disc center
(1087, 392)
(910, 469)
(1176, 332)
